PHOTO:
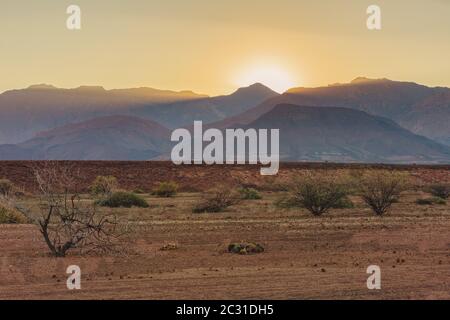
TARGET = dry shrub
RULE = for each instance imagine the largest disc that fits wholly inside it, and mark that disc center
(166, 189)
(318, 192)
(10, 215)
(440, 190)
(6, 187)
(66, 222)
(216, 200)
(249, 194)
(273, 184)
(380, 189)
(286, 201)
(104, 186)
(123, 199)
(431, 201)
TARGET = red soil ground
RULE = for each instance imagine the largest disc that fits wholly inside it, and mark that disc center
(146, 174)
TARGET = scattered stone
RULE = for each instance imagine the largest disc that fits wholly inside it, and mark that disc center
(170, 246)
(245, 248)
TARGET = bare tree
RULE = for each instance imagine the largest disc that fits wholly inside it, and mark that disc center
(66, 221)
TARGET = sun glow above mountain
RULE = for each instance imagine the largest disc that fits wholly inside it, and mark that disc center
(273, 77)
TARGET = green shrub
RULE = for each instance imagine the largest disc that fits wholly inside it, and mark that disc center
(249, 194)
(440, 190)
(380, 189)
(318, 192)
(287, 202)
(216, 200)
(166, 189)
(123, 199)
(431, 201)
(104, 186)
(344, 203)
(11, 216)
(6, 187)
(138, 191)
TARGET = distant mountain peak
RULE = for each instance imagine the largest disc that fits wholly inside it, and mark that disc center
(90, 88)
(42, 86)
(258, 85)
(359, 80)
(257, 88)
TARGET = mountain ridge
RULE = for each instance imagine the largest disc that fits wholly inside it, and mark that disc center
(309, 133)
(105, 138)
(396, 100)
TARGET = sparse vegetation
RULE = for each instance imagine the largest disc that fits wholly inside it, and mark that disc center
(251, 234)
(431, 201)
(104, 186)
(10, 215)
(122, 199)
(169, 247)
(166, 189)
(380, 189)
(344, 203)
(6, 187)
(440, 190)
(245, 248)
(318, 192)
(216, 200)
(286, 201)
(273, 183)
(249, 194)
(290, 202)
(66, 222)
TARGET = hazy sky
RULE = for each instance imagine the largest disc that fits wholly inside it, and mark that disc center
(213, 46)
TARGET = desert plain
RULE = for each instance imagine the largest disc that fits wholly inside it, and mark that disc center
(305, 257)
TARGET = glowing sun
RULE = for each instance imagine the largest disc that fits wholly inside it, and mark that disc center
(273, 77)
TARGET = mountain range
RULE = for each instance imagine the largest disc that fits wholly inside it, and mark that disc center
(25, 112)
(366, 120)
(420, 109)
(338, 134)
(104, 138)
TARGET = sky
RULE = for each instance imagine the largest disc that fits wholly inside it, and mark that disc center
(213, 47)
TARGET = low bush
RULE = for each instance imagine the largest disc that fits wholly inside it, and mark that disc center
(104, 186)
(440, 190)
(431, 201)
(166, 189)
(6, 187)
(381, 189)
(245, 248)
(216, 200)
(11, 216)
(123, 199)
(318, 192)
(249, 194)
(289, 202)
(286, 202)
(273, 184)
(344, 203)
